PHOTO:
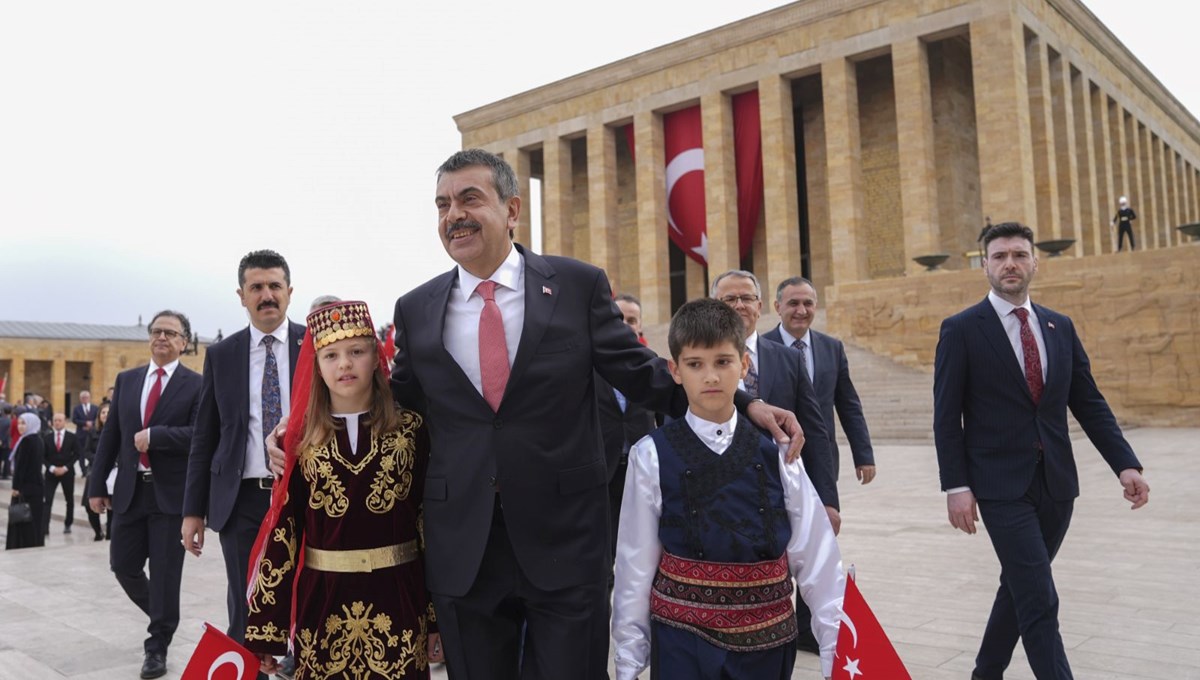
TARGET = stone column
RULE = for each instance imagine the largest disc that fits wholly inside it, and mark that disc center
(1189, 193)
(654, 282)
(1105, 198)
(519, 160)
(16, 379)
(780, 202)
(1090, 225)
(602, 199)
(1170, 193)
(914, 133)
(1149, 218)
(1133, 182)
(843, 151)
(1045, 165)
(1065, 150)
(58, 384)
(1002, 117)
(558, 223)
(720, 183)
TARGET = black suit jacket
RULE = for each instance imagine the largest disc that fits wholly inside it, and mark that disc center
(170, 434)
(218, 452)
(67, 456)
(988, 431)
(834, 389)
(542, 451)
(619, 429)
(79, 417)
(781, 383)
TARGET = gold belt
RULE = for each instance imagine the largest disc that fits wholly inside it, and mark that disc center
(366, 560)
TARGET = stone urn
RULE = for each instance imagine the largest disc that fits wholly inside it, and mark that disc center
(1055, 247)
(1192, 230)
(931, 262)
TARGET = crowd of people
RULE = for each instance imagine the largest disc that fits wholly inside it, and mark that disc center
(527, 479)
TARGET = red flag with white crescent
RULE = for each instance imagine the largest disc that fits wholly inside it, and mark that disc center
(218, 657)
(864, 651)
(683, 135)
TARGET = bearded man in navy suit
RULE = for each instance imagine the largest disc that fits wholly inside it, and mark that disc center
(1005, 373)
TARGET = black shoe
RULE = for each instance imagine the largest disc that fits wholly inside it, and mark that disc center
(155, 665)
(67, 529)
(99, 537)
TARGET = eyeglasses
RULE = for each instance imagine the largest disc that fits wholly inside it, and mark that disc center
(164, 332)
(732, 300)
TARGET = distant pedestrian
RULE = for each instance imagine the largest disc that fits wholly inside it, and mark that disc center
(1123, 221)
(27, 483)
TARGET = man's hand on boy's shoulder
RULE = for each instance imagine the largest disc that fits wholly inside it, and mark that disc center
(780, 423)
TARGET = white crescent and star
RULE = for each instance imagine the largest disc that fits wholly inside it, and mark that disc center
(689, 160)
(228, 659)
(851, 667)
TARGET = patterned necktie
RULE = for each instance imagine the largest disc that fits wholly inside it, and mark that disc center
(272, 403)
(151, 402)
(751, 380)
(1033, 362)
(801, 345)
(493, 348)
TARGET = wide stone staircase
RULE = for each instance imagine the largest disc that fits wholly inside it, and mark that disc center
(897, 400)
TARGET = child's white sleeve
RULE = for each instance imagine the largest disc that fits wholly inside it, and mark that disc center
(814, 558)
(638, 554)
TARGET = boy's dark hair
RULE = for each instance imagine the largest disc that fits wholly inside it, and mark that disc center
(705, 322)
(263, 259)
(1006, 230)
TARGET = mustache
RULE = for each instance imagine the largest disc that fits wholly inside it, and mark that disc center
(462, 224)
(268, 303)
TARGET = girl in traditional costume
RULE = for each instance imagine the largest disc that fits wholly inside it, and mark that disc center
(337, 572)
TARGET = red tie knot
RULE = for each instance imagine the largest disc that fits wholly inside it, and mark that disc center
(486, 290)
(1022, 314)
(160, 371)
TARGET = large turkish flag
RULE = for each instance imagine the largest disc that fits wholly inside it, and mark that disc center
(864, 651)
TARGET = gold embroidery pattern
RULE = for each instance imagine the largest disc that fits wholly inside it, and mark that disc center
(326, 491)
(266, 633)
(269, 577)
(397, 449)
(356, 646)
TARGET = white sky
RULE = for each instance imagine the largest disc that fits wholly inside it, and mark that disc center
(146, 146)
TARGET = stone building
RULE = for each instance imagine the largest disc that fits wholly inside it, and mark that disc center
(889, 130)
(59, 360)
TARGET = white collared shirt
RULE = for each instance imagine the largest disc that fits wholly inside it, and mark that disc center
(461, 332)
(255, 464)
(813, 555)
(147, 385)
(1012, 328)
(752, 350)
(807, 351)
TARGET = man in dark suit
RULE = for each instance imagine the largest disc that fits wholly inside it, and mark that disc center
(1005, 373)
(147, 436)
(84, 417)
(826, 365)
(500, 354)
(62, 450)
(247, 380)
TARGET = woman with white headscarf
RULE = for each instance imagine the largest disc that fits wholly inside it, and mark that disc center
(28, 483)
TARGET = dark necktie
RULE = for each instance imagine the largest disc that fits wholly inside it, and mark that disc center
(272, 403)
(493, 348)
(800, 345)
(151, 402)
(751, 380)
(1033, 361)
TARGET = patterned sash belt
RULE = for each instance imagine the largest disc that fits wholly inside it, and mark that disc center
(369, 559)
(739, 607)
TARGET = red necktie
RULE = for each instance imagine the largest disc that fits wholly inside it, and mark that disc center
(1033, 361)
(493, 348)
(58, 441)
(151, 402)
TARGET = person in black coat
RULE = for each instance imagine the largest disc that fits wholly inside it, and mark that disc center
(27, 483)
(89, 456)
(61, 452)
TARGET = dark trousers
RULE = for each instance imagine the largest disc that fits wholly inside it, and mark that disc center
(681, 655)
(1125, 229)
(1026, 535)
(144, 533)
(237, 540)
(67, 482)
(506, 628)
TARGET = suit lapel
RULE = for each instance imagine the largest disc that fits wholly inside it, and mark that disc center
(765, 377)
(133, 397)
(241, 370)
(1055, 358)
(993, 330)
(822, 350)
(167, 395)
(435, 313)
(295, 340)
(541, 295)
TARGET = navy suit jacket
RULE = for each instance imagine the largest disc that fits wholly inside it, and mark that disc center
(541, 452)
(987, 430)
(170, 435)
(619, 429)
(831, 381)
(781, 383)
(218, 453)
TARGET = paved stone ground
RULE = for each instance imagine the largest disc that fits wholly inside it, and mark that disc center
(1129, 582)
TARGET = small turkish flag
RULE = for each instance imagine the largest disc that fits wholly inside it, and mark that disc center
(218, 657)
(863, 649)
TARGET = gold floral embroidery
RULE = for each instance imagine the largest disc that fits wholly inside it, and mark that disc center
(326, 490)
(268, 576)
(355, 646)
(267, 633)
(394, 479)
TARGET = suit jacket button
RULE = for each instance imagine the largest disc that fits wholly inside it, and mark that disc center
(497, 423)
(700, 554)
(687, 473)
(492, 481)
(695, 512)
(758, 466)
(762, 511)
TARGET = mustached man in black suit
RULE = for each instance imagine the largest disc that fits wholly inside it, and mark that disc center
(247, 390)
(147, 436)
(62, 451)
(499, 353)
(1005, 373)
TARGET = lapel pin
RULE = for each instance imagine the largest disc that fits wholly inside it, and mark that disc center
(1050, 324)
(546, 290)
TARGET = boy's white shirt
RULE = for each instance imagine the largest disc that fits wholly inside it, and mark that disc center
(813, 555)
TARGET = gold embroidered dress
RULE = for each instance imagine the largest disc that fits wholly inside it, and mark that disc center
(351, 523)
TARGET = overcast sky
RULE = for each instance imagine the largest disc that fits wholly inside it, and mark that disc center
(146, 146)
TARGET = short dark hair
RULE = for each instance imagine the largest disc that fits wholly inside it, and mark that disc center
(626, 297)
(1006, 230)
(705, 322)
(183, 321)
(263, 259)
(791, 281)
(503, 177)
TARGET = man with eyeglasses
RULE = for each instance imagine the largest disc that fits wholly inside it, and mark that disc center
(147, 436)
(247, 390)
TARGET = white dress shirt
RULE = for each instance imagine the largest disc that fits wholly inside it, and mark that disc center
(351, 428)
(461, 332)
(147, 385)
(813, 555)
(807, 351)
(256, 464)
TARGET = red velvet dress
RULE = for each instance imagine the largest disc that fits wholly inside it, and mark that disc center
(354, 625)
